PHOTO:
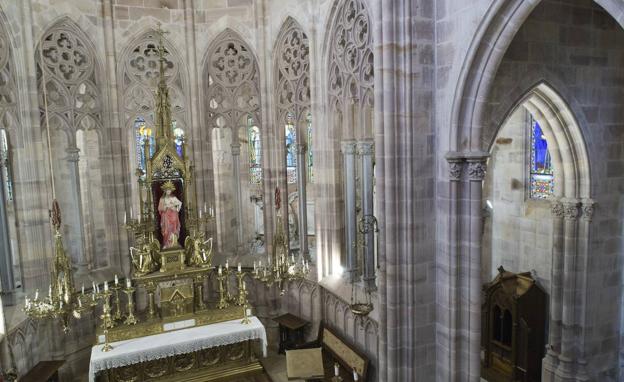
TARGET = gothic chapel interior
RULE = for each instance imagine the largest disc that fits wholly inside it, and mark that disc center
(312, 190)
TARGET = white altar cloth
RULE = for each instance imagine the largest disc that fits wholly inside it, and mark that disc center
(172, 343)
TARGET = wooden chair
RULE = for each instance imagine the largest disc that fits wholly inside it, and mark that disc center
(336, 349)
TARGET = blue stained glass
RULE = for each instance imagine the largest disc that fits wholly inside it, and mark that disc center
(178, 134)
(255, 152)
(291, 150)
(143, 133)
(542, 180)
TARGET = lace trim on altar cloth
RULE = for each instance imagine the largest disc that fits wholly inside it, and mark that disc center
(174, 343)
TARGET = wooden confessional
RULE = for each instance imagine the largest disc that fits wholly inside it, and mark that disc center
(513, 328)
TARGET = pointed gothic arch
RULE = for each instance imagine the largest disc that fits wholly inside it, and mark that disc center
(232, 100)
(73, 102)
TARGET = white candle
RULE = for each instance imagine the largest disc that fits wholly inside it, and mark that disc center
(292, 259)
(128, 283)
(61, 304)
(131, 216)
(125, 218)
(36, 294)
(116, 280)
(82, 289)
(141, 260)
(105, 286)
(239, 267)
(220, 270)
(254, 266)
(200, 212)
(80, 303)
(97, 288)
(244, 287)
(227, 264)
(205, 207)
(336, 369)
(355, 375)
(93, 285)
(204, 254)
(50, 291)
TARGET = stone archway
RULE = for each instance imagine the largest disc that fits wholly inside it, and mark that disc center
(459, 260)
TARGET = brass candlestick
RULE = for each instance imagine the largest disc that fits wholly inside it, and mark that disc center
(241, 289)
(130, 319)
(222, 296)
(106, 321)
(243, 294)
(228, 295)
(117, 304)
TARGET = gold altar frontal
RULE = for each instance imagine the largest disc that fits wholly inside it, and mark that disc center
(219, 363)
(156, 326)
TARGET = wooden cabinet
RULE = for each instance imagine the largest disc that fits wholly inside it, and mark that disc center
(513, 328)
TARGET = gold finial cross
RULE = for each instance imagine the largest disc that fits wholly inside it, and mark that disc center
(161, 48)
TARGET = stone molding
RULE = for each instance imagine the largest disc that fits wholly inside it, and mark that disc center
(476, 171)
(570, 208)
(365, 148)
(348, 147)
(587, 209)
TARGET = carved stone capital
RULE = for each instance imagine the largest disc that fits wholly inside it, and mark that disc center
(236, 148)
(587, 209)
(73, 154)
(556, 209)
(476, 171)
(365, 148)
(455, 170)
(302, 148)
(570, 209)
(348, 147)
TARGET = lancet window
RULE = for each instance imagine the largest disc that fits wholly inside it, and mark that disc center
(541, 174)
(139, 76)
(232, 102)
(71, 106)
(351, 77)
(9, 124)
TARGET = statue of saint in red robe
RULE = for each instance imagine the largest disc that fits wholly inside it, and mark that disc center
(169, 208)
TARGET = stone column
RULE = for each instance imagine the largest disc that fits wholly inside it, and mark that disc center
(6, 262)
(365, 150)
(456, 166)
(236, 149)
(587, 214)
(348, 152)
(303, 208)
(551, 360)
(567, 356)
(76, 245)
(476, 174)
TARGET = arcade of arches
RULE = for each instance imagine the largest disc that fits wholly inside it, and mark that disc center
(457, 164)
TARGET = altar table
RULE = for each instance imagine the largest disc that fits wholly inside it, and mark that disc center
(175, 343)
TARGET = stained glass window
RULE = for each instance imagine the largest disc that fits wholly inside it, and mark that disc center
(142, 133)
(291, 149)
(4, 166)
(178, 133)
(542, 179)
(255, 152)
(310, 161)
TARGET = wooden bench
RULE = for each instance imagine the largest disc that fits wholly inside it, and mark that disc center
(336, 349)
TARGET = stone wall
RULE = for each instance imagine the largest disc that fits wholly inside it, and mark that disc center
(517, 232)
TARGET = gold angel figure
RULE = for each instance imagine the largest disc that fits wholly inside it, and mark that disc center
(198, 250)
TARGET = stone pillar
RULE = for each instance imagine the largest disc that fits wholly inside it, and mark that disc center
(476, 174)
(456, 166)
(76, 245)
(587, 214)
(567, 356)
(236, 149)
(553, 350)
(365, 150)
(303, 208)
(6, 262)
(348, 152)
